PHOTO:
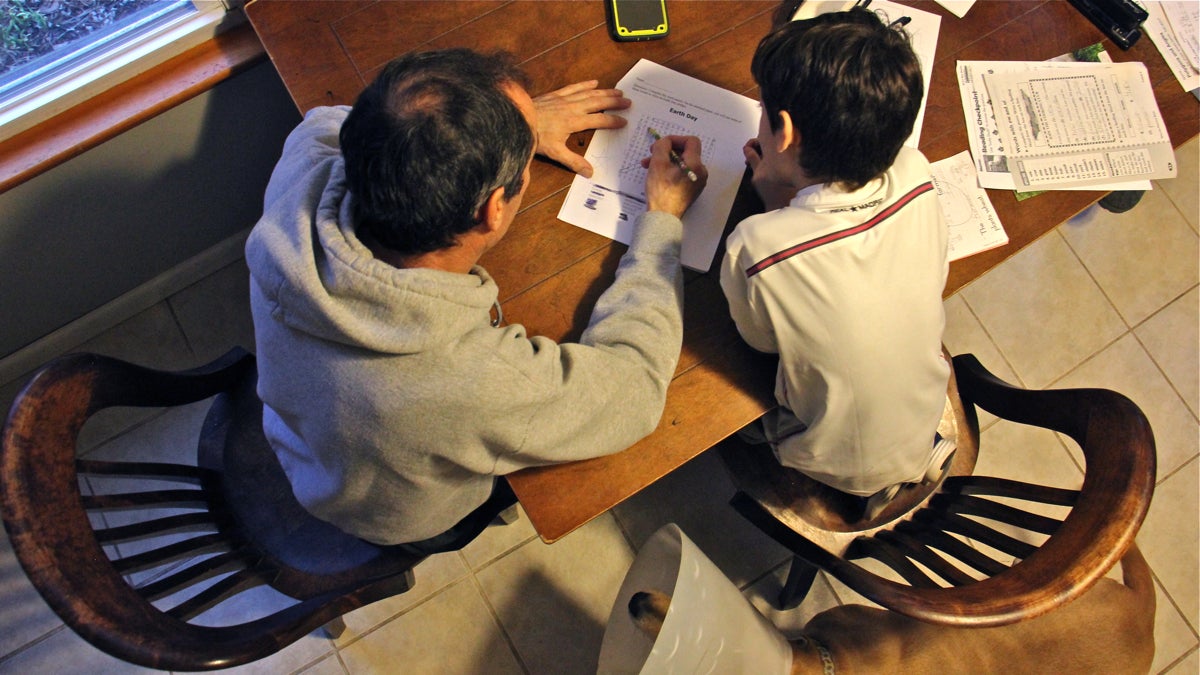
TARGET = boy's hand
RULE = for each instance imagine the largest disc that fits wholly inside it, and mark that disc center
(667, 187)
(575, 107)
(775, 189)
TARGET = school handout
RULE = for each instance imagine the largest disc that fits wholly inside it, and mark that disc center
(671, 103)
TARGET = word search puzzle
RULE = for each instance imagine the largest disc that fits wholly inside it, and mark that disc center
(640, 142)
(610, 202)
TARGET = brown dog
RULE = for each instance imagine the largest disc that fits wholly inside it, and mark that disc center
(1109, 629)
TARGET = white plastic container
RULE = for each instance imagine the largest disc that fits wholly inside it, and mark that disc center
(709, 628)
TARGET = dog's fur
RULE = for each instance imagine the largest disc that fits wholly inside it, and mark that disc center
(1109, 629)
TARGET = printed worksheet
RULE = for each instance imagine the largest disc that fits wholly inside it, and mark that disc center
(1090, 125)
(972, 221)
(987, 145)
(670, 103)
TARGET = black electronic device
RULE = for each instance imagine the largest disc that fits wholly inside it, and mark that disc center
(1121, 20)
(636, 20)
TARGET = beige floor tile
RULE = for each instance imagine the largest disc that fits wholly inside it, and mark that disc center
(24, 616)
(1169, 538)
(453, 633)
(307, 650)
(1021, 452)
(151, 338)
(330, 665)
(65, 653)
(1187, 666)
(696, 497)
(1172, 636)
(1043, 311)
(497, 540)
(764, 594)
(1183, 189)
(1142, 259)
(554, 600)
(214, 313)
(965, 335)
(1125, 367)
(1172, 337)
(434, 574)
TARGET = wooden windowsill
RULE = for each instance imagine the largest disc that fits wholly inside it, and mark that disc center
(126, 105)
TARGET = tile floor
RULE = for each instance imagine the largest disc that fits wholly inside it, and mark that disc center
(1107, 301)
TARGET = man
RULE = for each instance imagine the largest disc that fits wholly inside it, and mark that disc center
(393, 396)
(843, 275)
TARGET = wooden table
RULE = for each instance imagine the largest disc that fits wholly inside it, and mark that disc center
(327, 50)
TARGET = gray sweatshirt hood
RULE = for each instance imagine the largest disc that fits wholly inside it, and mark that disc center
(334, 289)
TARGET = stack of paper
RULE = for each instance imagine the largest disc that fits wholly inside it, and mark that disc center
(1063, 125)
(1173, 26)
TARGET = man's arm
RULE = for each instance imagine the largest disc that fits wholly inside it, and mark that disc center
(610, 388)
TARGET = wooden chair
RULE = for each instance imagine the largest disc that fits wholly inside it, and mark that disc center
(134, 585)
(1031, 547)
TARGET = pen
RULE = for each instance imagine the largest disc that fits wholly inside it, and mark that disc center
(902, 21)
(675, 157)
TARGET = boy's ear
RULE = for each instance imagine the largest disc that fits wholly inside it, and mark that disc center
(787, 135)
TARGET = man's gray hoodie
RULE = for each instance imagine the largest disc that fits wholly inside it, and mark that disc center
(390, 398)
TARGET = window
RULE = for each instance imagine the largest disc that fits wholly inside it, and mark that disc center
(58, 53)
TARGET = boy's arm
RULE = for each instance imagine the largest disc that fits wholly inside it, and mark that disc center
(754, 327)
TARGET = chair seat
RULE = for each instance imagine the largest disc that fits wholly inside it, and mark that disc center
(973, 550)
(132, 571)
(312, 556)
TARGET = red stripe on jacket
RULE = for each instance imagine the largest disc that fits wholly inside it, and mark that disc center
(841, 234)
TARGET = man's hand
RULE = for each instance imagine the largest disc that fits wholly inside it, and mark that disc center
(667, 186)
(575, 107)
(775, 188)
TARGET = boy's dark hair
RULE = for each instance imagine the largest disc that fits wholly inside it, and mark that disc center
(852, 87)
(428, 141)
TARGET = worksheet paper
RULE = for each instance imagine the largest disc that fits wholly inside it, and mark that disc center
(671, 103)
(970, 218)
(987, 144)
(1090, 125)
(1174, 27)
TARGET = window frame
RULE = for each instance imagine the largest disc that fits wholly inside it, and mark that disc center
(80, 76)
(117, 104)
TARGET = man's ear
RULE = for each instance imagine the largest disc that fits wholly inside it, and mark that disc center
(491, 214)
(786, 135)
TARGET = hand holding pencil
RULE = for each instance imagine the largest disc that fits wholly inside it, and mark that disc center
(675, 174)
(674, 156)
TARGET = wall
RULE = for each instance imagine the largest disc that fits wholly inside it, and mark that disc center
(162, 195)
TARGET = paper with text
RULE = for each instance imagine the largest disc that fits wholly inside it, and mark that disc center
(1174, 27)
(671, 103)
(1092, 124)
(970, 218)
(983, 136)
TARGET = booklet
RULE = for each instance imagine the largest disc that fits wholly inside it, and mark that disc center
(670, 103)
(1061, 125)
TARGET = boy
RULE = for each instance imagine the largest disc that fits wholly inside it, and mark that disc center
(842, 275)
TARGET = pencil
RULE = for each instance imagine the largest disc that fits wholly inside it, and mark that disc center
(675, 157)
